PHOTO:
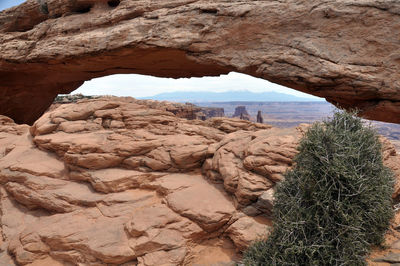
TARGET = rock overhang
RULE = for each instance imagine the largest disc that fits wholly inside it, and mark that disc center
(342, 50)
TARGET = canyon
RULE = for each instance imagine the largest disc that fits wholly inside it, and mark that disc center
(342, 50)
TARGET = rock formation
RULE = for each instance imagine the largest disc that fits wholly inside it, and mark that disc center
(189, 110)
(260, 118)
(241, 112)
(186, 110)
(118, 181)
(209, 112)
(342, 50)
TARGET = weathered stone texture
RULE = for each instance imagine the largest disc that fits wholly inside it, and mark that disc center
(343, 50)
(117, 180)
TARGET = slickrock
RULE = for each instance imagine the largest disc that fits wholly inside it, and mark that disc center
(186, 110)
(342, 50)
(391, 160)
(113, 134)
(249, 163)
(209, 207)
(163, 258)
(247, 229)
(229, 125)
(113, 181)
(119, 181)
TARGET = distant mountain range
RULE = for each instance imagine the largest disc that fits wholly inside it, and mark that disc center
(231, 96)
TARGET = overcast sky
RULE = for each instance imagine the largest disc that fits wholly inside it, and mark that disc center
(142, 86)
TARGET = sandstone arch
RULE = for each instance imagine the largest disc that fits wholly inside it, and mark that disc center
(343, 50)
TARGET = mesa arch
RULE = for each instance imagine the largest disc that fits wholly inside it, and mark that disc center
(343, 50)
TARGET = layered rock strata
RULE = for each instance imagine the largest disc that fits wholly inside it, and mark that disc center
(112, 181)
(343, 50)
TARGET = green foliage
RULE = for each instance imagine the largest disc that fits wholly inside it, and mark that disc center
(334, 204)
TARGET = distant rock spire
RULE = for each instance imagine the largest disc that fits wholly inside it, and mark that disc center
(260, 119)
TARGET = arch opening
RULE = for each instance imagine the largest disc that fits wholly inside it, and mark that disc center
(224, 95)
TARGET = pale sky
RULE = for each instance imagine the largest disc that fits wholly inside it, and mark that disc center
(9, 3)
(143, 86)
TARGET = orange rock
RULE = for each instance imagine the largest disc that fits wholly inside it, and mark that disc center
(246, 230)
(50, 47)
(154, 190)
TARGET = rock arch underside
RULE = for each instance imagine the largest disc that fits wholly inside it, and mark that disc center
(345, 50)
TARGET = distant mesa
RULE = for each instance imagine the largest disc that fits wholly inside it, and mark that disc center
(211, 112)
(242, 113)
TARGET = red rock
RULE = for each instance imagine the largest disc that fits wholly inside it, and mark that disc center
(249, 163)
(75, 189)
(163, 258)
(330, 49)
(246, 230)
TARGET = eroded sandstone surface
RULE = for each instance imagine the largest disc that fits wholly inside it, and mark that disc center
(118, 181)
(343, 50)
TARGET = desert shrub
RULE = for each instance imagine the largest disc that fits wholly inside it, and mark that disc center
(336, 201)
